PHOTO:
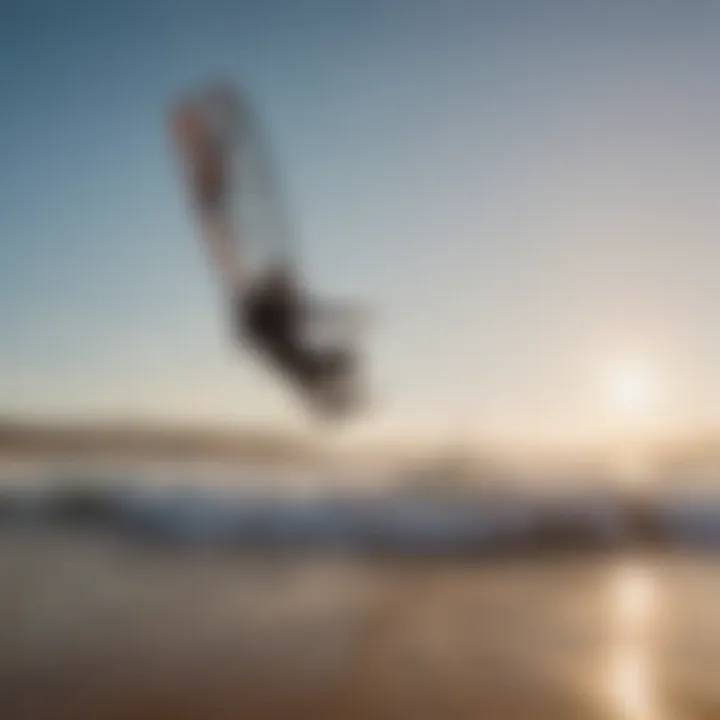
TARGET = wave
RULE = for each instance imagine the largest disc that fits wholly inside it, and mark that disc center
(383, 521)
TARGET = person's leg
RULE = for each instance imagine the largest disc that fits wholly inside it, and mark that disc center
(336, 390)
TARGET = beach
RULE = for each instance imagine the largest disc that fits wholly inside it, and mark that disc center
(94, 626)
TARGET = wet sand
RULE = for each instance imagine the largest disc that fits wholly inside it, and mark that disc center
(95, 628)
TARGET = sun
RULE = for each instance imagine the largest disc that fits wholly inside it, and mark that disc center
(630, 388)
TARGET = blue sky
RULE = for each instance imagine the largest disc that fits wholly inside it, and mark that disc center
(524, 191)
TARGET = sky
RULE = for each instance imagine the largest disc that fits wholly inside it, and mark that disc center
(523, 192)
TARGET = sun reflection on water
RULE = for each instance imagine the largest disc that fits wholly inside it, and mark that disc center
(633, 605)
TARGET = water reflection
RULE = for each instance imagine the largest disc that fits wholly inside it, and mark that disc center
(633, 606)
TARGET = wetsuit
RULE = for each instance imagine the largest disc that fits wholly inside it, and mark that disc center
(271, 317)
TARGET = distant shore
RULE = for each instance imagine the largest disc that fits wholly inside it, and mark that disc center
(146, 440)
(99, 438)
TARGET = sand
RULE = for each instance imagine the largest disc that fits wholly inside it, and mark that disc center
(93, 627)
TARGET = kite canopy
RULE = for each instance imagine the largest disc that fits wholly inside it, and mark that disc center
(229, 171)
(231, 183)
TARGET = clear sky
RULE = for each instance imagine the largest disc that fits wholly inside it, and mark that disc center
(525, 191)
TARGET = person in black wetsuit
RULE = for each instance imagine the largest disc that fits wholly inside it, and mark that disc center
(273, 316)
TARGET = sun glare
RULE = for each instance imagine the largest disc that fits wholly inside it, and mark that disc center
(631, 389)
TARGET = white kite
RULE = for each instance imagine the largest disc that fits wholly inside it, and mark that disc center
(246, 234)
